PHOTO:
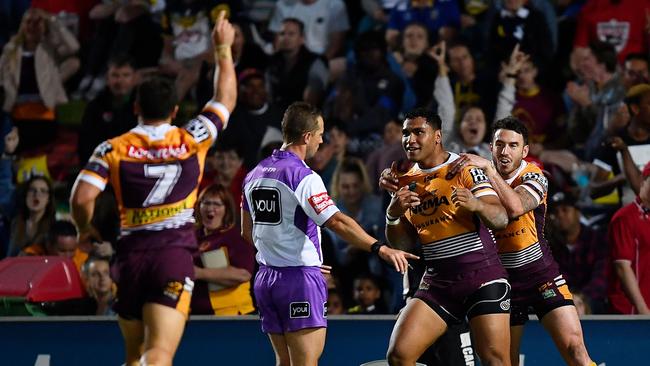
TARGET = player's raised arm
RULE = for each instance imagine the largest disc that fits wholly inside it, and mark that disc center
(225, 79)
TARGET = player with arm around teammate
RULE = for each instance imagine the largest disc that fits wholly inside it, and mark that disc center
(533, 273)
(451, 218)
(284, 205)
(155, 170)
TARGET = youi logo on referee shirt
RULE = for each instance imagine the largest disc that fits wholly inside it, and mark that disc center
(267, 205)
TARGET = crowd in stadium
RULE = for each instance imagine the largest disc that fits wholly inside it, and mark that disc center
(576, 72)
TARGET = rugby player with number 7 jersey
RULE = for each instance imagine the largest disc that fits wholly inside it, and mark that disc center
(533, 273)
(155, 170)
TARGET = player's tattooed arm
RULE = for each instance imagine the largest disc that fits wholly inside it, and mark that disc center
(528, 201)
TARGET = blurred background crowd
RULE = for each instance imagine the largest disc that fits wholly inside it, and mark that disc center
(575, 71)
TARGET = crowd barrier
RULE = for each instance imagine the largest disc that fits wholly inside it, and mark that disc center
(351, 340)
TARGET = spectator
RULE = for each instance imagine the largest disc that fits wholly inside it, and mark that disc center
(35, 216)
(416, 64)
(636, 135)
(517, 23)
(333, 150)
(375, 83)
(390, 150)
(635, 70)
(126, 28)
(352, 194)
(35, 64)
(99, 285)
(523, 97)
(471, 134)
(621, 23)
(61, 241)
(245, 52)
(441, 18)
(470, 88)
(326, 22)
(253, 117)
(367, 296)
(187, 25)
(295, 73)
(334, 302)
(111, 113)
(629, 238)
(579, 250)
(221, 288)
(8, 144)
(597, 98)
(227, 169)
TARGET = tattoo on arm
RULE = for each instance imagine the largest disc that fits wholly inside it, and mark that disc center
(528, 201)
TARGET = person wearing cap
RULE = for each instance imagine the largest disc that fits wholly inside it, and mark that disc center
(253, 116)
(636, 136)
(579, 250)
(629, 237)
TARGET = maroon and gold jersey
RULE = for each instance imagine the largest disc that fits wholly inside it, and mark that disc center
(522, 242)
(155, 170)
(448, 233)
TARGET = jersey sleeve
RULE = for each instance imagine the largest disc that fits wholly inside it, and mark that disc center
(314, 199)
(96, 171)
(208, 124)
(475, 179)
(536, 184)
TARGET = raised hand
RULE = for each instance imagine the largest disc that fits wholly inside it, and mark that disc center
(223, 33)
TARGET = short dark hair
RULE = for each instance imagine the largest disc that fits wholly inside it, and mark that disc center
(513, 124)
(121, 60)
(299, 118)
(430, 116)
(605, 54)
(60, 228)
(157, 98)
(296, 21)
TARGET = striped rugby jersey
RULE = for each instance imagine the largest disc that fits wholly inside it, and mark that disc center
(155, 170)
(444, 230)
(522, 242)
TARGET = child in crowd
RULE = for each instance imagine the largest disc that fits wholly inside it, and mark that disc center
(367, 295)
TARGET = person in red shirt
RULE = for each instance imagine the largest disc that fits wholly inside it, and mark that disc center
(629, 236)
(619, 23)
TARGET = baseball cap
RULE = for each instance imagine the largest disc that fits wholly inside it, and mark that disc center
(563, 198)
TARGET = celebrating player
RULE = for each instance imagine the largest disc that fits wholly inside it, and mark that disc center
(155, 169)
(534, 274)
(450, 217)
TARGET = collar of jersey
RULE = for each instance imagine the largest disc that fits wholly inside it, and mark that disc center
(451, 158)
(521, 167)
(153, 132)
